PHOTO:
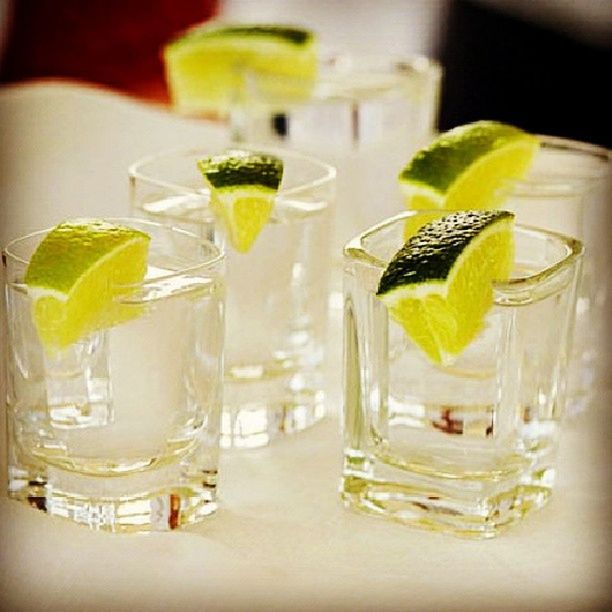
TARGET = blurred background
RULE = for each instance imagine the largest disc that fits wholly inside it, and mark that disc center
(95, 97)
(540, 64)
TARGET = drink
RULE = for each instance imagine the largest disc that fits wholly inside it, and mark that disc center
(568, 190)
(467, 447)
(276, 299)
(365, 116)
(119, 430)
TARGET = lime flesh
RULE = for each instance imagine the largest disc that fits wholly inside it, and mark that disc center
(244, 213)
(76, 274)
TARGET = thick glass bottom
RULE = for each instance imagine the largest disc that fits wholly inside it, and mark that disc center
(255, 424)
(266, 406)
(476, 509)
(152, 500)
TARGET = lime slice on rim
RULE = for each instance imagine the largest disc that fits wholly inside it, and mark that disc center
(468, 168)
(205, 68)
(75, 275)
(243, 185)
(439, 285)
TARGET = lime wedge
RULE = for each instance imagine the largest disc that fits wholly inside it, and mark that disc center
(243, 185)
(205, 68)
(75, 275)
(439, 285)
(471, 167)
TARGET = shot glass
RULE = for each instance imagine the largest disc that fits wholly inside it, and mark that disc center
(568, 190)
(366, 116)
(120, 430)
(469, 448)
(276, 307)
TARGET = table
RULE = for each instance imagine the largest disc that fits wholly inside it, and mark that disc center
(282, 539)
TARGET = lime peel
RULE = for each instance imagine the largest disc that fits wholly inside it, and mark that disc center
(244, 33)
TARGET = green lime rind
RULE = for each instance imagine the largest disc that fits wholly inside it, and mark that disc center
(237, 168)
(72, 248)
(430, 255)
(280, 33)
(437, 166)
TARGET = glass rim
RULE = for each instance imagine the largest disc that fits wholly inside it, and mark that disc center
(577, 146)
(217, 257)
(341, 65)
(418, 62)
(135, 169)
(355, 251)
(554, 185)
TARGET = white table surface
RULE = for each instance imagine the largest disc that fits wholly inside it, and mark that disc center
(281, 539)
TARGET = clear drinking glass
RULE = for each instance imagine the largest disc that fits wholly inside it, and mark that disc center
(469, 448)
(120, 431)
(366, 116)
(568, 190)
(276, 307)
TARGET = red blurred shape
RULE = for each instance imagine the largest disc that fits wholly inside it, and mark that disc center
(115, 43)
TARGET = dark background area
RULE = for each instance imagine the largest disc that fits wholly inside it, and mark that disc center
(115, 43)
(499, 66)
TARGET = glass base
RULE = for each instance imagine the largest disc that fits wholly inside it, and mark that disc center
(476, 510)
(256, 424)
(125, 504)
(263, 403)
